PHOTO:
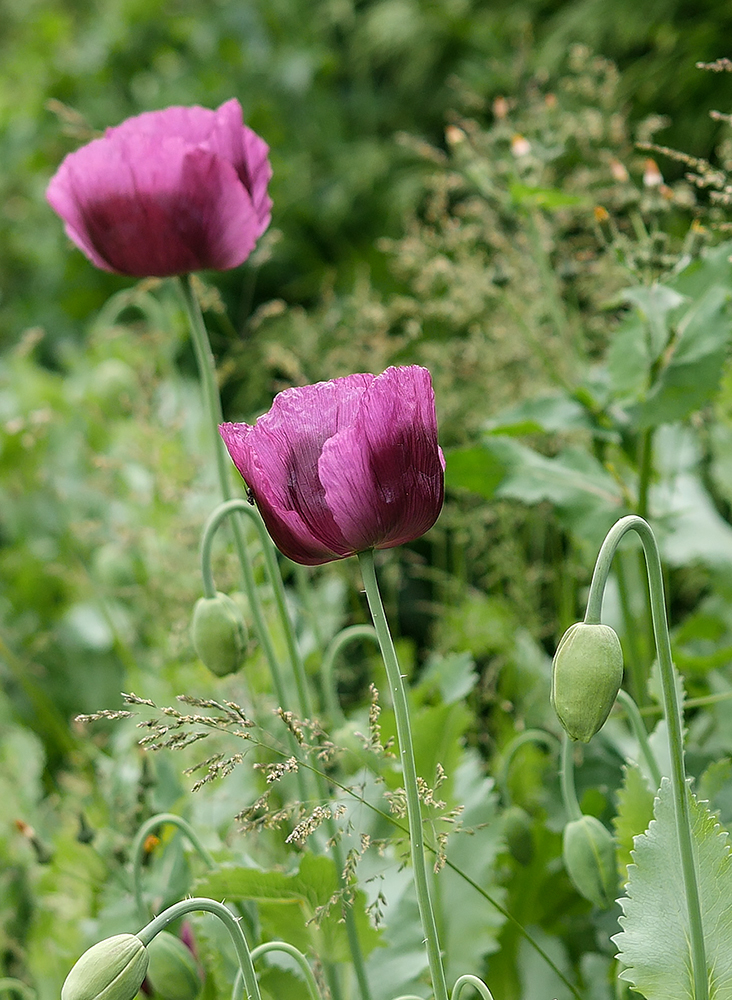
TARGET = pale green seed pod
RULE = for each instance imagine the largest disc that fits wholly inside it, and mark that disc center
(219, 634)
(587, 672)
(113, 969)
(588, 850)
(173, 972)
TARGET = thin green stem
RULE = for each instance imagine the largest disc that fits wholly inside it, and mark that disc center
(672, 712)
(473, 981)
(406, 751)
(566, 777)
(10, 985)
(293, 952)
(212, 403)
(327, 668)
(231, 922)
(645, 468)
(138, 850)
(636, 722)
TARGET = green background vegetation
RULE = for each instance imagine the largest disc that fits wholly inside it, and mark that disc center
(570, 389)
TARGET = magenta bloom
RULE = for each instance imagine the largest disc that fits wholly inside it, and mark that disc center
(167, 192)
(344, 466)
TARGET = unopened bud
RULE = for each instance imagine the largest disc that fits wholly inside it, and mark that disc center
(113, 969)
(219, 634)
(173, 972)
(587, 672)
(588, 850)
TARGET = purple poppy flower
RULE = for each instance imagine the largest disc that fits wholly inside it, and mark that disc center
(344, 466)
(167, 192)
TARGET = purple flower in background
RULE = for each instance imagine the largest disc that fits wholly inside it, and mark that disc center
(344, 466)
(167, 192)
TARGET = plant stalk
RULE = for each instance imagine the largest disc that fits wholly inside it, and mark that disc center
(406, 751)
(232, 924)
(672, 712)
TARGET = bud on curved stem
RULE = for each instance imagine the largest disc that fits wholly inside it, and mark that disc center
(587, 672)
(112, 969)
(672, 713)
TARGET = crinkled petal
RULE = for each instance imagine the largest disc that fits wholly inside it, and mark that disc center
(146, 205)
(383, 474)
(278, 458)
(224, 133)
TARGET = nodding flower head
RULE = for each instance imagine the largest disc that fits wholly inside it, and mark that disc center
(113, 969)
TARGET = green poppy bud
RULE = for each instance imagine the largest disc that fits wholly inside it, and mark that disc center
(587, 672)
(588, 850)
(219, 634)
(517, 831)
(172, 973)
(113, 969)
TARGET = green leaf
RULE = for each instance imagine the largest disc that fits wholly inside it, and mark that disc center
(288, 902)
(586, 497)
(654, 941)
(453, 675)
(693, 367)
(655, 303)
(635, 811)
(546, 414)
(540, 197)
(473, 469)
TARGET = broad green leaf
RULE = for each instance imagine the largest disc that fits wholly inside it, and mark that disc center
(586, 497)
(655, 303)
(654, 941)
(547, 413)
(635, 812)
(288, 902)
(693, 367)
(473, 469)
(453, 675)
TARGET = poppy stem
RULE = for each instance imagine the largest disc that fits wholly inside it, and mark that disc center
(232, 924)
(212, 402)
(406, 751)
(672, 712)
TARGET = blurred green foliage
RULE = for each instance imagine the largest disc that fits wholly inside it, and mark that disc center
(457, 184)
(328, 83)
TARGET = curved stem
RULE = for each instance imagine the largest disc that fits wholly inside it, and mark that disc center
(10, 985)
(232, 925)
(528, 736)
(406, 750)
(636, 722)
(672, 712)
(478, 984)
(293, 952)
(212, 402)
(138, 848)
(566, 777)
(304, 704)
(327, 667)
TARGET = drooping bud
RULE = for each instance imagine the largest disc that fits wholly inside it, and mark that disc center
(587, 672)
(172, 973)
(113, 969)
(588, 850)
(219, 634)
(517, 831)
